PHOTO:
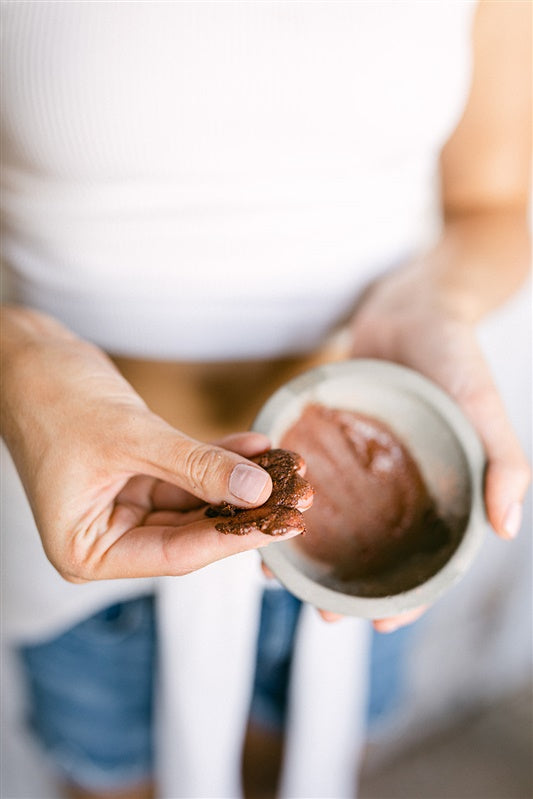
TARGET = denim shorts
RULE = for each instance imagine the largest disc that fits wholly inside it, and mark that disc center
(91, 689)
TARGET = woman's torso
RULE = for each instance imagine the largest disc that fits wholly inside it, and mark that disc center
(203, 182)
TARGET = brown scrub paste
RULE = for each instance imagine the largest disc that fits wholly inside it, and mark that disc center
(372, 522)
(278, 514)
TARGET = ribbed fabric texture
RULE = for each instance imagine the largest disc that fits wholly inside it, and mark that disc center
(204, 180)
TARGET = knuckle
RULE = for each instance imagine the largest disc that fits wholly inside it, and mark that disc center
(476, 394)
(202, 465)
(79, 572)
(68, 569)
(76, 564)
(71, 578)
(514, 467)
(174, 565)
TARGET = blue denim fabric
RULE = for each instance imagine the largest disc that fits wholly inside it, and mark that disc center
(91, 689)
(91, 696)
(279, 616)
(389, 660)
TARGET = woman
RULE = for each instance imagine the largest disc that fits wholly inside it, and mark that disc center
(207, 192)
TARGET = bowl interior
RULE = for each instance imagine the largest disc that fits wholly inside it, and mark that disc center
(426, 422)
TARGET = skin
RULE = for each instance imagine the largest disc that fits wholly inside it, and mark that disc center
(115, 502)
(144, 791)
(424, 315)
(112, 502)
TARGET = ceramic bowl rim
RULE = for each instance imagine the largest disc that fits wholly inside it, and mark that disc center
(399, 377)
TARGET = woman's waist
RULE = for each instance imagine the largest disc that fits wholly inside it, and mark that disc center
(209, 400)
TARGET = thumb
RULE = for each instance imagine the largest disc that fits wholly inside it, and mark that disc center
(209, 472)
(508, 472)
(506, 483)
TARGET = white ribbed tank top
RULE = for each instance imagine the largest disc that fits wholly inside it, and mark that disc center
(210, 180)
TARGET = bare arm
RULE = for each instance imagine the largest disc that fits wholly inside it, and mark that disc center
(484, 254)
(423, 315)
(111, 485)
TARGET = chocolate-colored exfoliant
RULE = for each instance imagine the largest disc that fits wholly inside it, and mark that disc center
(279, 513)
(371, 510)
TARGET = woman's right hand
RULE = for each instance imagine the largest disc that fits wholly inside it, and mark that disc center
(109, 482)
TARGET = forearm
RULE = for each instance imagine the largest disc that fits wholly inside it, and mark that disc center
(485, 170)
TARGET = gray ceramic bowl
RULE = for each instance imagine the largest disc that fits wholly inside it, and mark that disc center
(441, 440)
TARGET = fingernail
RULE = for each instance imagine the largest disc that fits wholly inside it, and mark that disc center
(248, 482)
(270, 540)
(513, 520)
(292, 533)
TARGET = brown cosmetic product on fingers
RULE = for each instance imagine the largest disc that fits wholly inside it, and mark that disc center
(279, 513)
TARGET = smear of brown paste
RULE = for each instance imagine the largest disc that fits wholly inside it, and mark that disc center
(279, 513)
(373, 519)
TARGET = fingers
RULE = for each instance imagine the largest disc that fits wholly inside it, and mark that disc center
(381, 625)
(166, 496)
(329, 616)
(207, 471)
(388, 625)
(266, 571)
(167, 550)
(393, 623)
(305, 502)
(506, 483)
(247, 444)
(508, 472)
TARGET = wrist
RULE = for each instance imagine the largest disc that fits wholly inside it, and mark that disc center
(403, 308)
(481, 260)
(23, 326)
(26, 336)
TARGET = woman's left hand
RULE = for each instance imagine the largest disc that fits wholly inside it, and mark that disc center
(406, 318)
(423, 315)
